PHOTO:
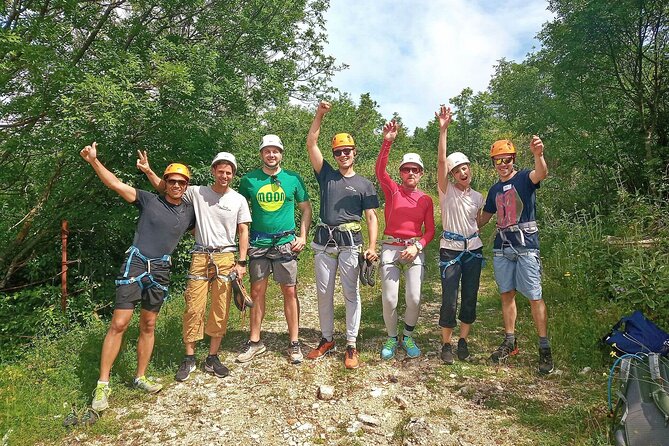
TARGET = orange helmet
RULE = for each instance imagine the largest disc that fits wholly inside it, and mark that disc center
(178, 168)
(342, 140)
(502, 147)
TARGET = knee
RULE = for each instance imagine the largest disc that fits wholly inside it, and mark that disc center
(147, 327)
(118, 326)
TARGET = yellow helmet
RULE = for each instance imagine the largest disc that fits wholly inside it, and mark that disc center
(502, 147)
(177, 168)
(342, 140)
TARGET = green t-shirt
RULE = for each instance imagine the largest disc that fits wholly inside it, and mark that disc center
(273, 200)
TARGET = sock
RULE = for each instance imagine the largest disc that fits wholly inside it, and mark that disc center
(543, 342)
(350, 344)
(106, 383)
(510, 338)
(408, 328)
(212, 356)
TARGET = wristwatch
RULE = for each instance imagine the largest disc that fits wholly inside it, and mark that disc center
(242, 263)
(418, 245)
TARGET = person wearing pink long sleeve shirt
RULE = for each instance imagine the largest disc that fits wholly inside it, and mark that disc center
(409, 214)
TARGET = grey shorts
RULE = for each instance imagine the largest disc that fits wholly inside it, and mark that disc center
(518, 269)
(279, 260)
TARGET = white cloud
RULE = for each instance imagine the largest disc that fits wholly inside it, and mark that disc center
(413, 55)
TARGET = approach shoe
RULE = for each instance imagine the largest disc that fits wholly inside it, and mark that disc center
(295, 352)
(545, 361)
(145, 384)
(251, 350)
(213, 365)
(447, 354)
(351, 359)
(463, 351)
(325, 347)
(389, 348)
(504, 351)
(101, 397)
(187, 366)
(410, 346)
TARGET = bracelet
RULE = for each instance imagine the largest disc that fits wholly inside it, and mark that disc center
(242, 263)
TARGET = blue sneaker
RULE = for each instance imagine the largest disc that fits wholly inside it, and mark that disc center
(389, 348)
(410, 346)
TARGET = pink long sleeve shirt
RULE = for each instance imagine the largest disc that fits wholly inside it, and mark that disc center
(406, 211)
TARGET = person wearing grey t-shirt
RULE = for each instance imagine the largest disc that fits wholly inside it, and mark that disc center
(345, 198)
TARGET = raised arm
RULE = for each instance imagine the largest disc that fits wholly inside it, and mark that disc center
(90, 155)
(305, 223)
(389, 134)
(540, 171)
(143, 165)
(444, 116)
(315, 155)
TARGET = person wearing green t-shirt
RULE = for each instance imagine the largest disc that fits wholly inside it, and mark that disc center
(273, 193)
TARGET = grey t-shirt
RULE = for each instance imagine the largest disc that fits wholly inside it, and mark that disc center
(343, 200)
(161, 224)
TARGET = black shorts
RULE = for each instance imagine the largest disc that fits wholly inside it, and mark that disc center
(151, 297)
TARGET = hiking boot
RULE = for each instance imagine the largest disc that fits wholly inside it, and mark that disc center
(295, 352)
(389, 348)
(213, 365)
(410, 346)
(187, 366)
(251, 350)
(545, 361)
(447, 354)
(351, 359)
(325, 347)
(101, 397)
(463, 351)
(504, 351)
(145, 384)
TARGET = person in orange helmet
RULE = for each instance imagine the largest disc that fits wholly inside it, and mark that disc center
(516, 258)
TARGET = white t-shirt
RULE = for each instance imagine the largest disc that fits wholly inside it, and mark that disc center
(458, 214)
(217, 216)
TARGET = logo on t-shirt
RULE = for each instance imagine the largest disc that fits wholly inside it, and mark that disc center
(509, 207)
(271, 197)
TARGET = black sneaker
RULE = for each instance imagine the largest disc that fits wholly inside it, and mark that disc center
(447, 353)
(187, 366)
(213, 365)
(545, 361)
(504, 351)
(463, 351)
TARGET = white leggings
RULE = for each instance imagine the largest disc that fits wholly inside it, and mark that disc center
(391, 267)
(327, 261)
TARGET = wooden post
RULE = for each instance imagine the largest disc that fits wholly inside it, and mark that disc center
(63, 275)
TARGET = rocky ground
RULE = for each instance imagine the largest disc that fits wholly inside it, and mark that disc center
(269, 402)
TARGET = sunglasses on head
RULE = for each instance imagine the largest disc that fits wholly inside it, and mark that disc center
(506, 160)
(181, 183)
(410, 170)
(340, 152)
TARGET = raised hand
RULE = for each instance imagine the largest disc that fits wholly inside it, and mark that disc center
(390, 131)
(445, 115)
(90, 153)
(536, 146)
(323, 108)
(143, 161)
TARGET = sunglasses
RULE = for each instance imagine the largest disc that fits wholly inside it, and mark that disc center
(507, 160)
(411, 170)
(275, 180)
(341, 152)
(181, 183)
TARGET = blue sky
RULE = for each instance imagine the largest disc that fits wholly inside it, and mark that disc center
(414, 55)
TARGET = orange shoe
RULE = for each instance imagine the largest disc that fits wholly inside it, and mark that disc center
(325, 347)
(351, 359)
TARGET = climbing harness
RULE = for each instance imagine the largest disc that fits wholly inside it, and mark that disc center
(390, 240)
(529, 227)
(133, 251)
(447, 235)
(274, 237)
(348, 228)
(211, 265)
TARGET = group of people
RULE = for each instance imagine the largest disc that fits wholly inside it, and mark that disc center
(257, 222)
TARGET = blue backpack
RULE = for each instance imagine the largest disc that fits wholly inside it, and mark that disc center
(636, 334)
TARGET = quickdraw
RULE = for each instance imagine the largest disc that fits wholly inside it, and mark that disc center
(447, 235)
(133, 251)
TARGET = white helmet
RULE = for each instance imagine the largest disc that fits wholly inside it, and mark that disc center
(271, 140)
(227, 157)
(412, 158)
(455, 159)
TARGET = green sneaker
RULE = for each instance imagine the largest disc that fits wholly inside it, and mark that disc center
(145, 384)
(101, 397)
